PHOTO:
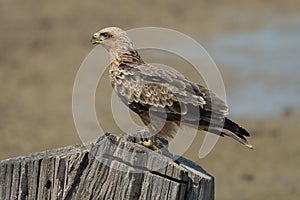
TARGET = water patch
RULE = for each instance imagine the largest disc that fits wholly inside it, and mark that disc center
(266, 63)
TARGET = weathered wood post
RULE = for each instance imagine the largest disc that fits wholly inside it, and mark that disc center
(113, 169)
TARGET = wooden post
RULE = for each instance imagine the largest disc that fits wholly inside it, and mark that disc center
(114, 168)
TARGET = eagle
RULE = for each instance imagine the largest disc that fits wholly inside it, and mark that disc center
(163, 99)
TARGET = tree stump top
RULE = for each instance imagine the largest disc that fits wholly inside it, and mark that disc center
(112, 168)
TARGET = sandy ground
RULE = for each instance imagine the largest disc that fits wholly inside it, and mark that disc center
(42, 45)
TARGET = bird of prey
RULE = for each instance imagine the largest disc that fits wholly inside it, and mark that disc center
(163, 99)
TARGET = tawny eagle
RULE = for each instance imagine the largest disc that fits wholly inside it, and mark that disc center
(156, 94)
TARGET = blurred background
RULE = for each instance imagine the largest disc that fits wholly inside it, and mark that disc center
(255, 44)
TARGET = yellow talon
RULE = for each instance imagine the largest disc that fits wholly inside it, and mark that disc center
(146, 143)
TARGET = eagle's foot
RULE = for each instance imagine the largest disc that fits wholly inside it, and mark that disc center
(155, 143)
(144, 137)
(149, 144)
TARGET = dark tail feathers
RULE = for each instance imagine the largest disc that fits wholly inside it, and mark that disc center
(238, 133)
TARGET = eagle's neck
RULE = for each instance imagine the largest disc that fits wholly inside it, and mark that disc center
(123, 50)
(130, 58)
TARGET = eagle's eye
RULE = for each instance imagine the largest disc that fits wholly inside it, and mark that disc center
(105, 35)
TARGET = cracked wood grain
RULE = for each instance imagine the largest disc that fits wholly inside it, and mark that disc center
(113, 168)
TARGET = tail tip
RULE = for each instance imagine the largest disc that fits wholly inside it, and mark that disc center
(249, 146)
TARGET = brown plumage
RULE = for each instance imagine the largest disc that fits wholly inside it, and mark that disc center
(156, 94)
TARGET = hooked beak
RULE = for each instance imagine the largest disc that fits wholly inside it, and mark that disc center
(96, 39)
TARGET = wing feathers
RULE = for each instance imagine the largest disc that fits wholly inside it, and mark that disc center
(166, 92)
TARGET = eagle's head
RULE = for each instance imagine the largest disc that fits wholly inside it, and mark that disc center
(113, 39)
